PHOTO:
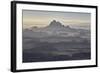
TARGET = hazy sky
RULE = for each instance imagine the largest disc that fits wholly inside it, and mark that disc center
(43, 18)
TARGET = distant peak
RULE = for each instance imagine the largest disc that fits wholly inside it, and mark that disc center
(55, 23)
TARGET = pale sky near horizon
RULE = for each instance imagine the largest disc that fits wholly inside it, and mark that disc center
(43, 18)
